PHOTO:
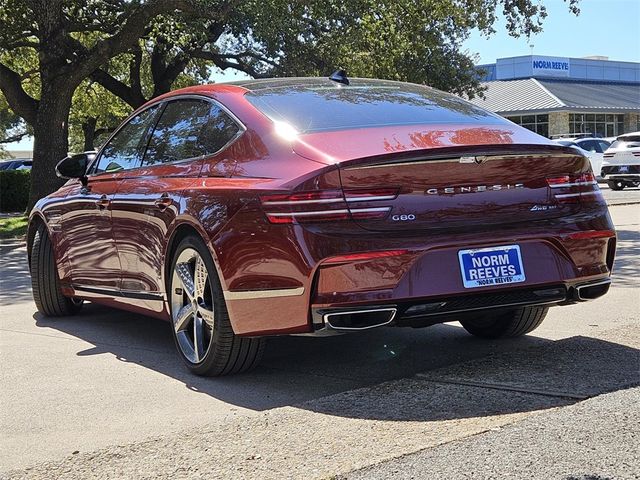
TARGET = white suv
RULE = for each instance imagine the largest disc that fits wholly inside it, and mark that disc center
(621, 165)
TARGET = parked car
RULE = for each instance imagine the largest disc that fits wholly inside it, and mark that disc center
(571, 136)
(16, 164)
(621, 165)
(590, 147)
(315, 207)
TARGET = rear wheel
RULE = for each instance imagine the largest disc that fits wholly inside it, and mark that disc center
(509, 324)
(45, 283)
(616, 184)
(201, 326)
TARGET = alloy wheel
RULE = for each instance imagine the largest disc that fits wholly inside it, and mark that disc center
(192, 306)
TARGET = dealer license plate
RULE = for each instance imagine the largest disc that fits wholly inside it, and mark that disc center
(491, 266)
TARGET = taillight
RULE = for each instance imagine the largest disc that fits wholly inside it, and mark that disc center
(363, 256)
(326, 205)
(572, 188)
(591, 234)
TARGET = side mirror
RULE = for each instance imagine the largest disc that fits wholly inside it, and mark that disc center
(75, 166)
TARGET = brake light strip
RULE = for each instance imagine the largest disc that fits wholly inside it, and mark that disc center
(329, 212)
(328, 200)
(581, 194)
(574, 184)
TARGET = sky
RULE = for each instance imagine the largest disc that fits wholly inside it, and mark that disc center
(604, 27)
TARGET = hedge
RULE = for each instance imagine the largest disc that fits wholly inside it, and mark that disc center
(14, 190)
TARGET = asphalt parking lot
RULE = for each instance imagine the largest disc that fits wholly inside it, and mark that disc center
(103, 395)
(628, 196)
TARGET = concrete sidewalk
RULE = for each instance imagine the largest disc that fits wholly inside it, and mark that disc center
(103, 395)
(339, 433)
(597, 439)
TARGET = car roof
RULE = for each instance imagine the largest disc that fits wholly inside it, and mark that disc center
(588, 139)
(262, 84)
(630, 134)
(309, 82)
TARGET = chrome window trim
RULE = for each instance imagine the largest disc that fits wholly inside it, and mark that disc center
(163, 103)
(96, 160)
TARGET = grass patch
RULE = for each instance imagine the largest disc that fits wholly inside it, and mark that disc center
(13, 227)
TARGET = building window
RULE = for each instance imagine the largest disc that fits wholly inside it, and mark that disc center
(535, 123)
(597, 124)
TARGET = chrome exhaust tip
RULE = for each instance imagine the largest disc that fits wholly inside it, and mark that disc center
(591, 291)
(356, 320)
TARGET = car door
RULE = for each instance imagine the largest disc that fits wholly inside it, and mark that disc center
(595, 154)
(146, 204)
(85, 215)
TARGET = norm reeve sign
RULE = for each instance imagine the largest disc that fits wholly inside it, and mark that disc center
(551, 66)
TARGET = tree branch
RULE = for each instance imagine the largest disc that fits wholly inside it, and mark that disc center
(132, 29)
(118, 88)
(134, 74)
(15, 138)
(222, 61)
(20, 101)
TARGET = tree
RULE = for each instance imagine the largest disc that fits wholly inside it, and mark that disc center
(75, 42)
(55, 30)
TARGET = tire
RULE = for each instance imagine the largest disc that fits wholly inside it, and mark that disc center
(509, 324)
(616, 184)
(200, 321)
(45, 283)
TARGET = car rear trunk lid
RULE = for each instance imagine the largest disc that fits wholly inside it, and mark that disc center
(472, 189)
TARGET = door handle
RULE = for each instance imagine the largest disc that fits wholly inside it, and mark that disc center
(103, 202)
(163, 202)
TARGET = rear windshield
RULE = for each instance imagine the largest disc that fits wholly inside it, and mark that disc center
(626, 142)
(630, 138)
(318, 108)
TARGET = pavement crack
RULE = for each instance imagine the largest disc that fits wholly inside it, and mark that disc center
(504, 387)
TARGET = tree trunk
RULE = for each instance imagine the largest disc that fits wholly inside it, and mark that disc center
(89, 132)
(51, 140)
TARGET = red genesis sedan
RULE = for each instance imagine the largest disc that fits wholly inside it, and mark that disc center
(317, 206)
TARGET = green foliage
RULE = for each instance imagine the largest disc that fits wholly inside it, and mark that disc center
(13, 227)
(14, 190)
(92, 102)
(63, 63)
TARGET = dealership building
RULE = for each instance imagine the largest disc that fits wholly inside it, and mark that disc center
(559, 95)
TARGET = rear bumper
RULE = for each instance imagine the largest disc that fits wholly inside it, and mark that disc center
(310, 279)
(622, 176)
(631, 172)
(429, 311)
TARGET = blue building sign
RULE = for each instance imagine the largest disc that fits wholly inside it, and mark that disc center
(550, 66)
(594, 69)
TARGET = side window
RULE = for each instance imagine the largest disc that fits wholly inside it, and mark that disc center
(588, 145)
(189, 129)
(603, 146)
(125, 149)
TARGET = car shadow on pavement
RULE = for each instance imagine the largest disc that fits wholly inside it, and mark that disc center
(306, 372)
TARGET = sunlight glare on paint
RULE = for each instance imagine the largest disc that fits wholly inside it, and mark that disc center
(286, 131)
